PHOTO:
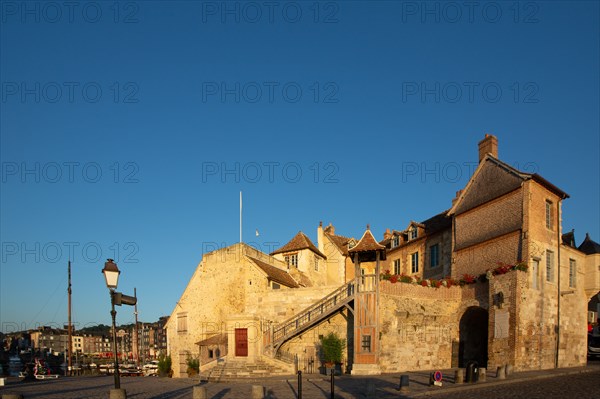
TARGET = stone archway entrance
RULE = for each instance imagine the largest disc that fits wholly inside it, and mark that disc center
(473, 330)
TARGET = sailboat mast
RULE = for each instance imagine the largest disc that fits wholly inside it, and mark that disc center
(136, 337)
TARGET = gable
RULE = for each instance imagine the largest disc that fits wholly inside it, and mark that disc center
(491, 181)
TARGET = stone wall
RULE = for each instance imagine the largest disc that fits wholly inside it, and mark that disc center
(418, 326)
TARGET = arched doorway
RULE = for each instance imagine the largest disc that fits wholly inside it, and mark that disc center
(473, 330)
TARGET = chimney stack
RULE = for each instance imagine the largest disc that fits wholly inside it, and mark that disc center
(489, 145)
(387, 234)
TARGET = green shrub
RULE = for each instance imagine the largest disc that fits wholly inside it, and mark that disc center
(332, 348)
(164, 364)
(193, 366)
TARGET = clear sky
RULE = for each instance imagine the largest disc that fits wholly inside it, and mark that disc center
(128, 131)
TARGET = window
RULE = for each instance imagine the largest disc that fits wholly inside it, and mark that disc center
(572, 272)
(414, 259)
(549, 214)
(210, 354)
(181, 323)
(396, 266)
(316, 263)
(366, 343)
(413, 233)
(395, 241)
(434, 255)
(275, 286)
(535, 272)
(291, 260)
(549, 266)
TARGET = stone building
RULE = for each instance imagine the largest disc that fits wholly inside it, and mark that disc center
(492, 280)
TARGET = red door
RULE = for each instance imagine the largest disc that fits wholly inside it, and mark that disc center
(241, 342)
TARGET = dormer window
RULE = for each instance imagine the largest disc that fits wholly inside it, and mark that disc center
(412, 234)
(395, 241)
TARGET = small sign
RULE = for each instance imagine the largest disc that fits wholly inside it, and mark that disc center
(437, 376)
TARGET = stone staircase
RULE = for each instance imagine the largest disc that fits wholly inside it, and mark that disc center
(234, 370)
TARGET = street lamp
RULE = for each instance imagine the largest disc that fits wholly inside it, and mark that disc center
(111, 275)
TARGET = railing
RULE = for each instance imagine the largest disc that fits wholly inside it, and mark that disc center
(314, 313)
(367, 283)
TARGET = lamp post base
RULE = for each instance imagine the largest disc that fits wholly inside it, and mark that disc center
(117, 394)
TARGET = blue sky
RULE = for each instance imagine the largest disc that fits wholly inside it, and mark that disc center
(129, 131)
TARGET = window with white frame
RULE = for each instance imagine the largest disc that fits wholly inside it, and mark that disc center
(396, 266)
(434, 255)
(395, 241)
(413, 233)
(572, 273)
(414, 261)
(549, 213)
(549, 266)
(291, 260)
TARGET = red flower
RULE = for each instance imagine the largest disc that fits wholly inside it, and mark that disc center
(394, 279)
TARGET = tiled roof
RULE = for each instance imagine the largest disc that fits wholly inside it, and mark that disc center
(367, 243)
(219, 339)
(589, 246)
(298, 243)
(340, 241)
(275, 273)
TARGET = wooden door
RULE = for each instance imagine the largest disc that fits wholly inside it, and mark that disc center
(241, 342)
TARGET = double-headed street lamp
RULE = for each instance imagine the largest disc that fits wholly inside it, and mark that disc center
(111, 275)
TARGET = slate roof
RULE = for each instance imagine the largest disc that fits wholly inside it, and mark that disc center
(569, 239)
(437, 223)
(275, 273)
(589, 246)
(298, 243)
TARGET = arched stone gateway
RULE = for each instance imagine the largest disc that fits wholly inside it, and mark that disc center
(473, 344)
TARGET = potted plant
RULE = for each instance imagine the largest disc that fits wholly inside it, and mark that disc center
(193, 366)
(164, 366)
(332, 349)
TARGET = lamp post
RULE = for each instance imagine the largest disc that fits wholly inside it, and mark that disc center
(111, 275)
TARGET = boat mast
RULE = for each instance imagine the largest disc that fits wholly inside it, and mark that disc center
(136, 338)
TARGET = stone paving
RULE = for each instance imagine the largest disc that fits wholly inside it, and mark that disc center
(532, 384)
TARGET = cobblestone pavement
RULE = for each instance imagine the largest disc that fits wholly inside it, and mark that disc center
(547, 384)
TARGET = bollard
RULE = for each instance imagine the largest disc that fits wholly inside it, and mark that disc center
(501, 373)
(509, 369)
(299, 384)
(199, 393)
(459, 376)
(370, 393)
(119, 393)
(332, 385)
(11, 396)
(258, 392)
(403, 386)
(482, 374)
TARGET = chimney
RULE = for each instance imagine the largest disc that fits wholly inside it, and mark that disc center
(489, 145)
(387, 234)
(458, 193)
(330, 229)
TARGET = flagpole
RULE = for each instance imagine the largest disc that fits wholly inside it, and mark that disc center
(240, 217)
